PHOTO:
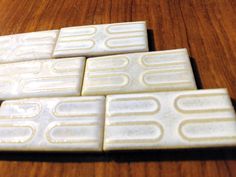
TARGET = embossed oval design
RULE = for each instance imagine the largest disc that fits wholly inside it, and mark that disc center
(78, 108)
(49, 84)
(190, 103)
(133, 106)
(23, 110)
(107, 81)
(72, 132)
(78, 32)
(165, 78)
(20, 68)
(69, 65)
(151, 60)
(32, 52)
(16, 133)
(38, 38)
(125, 42)
(108, 63)
(125, 28)
(75, 45)
(135, 132)
(208, 129)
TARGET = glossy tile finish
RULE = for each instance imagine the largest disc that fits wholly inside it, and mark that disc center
(168, 70)
(105, 39)
(27, 46)
(52, 124)
(186, 119)
(41, 78)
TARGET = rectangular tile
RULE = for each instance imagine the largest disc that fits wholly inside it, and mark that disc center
(185, 119)
(140, 72)
(41, 78)
(105, 39)
(52, 124)
(27, 46)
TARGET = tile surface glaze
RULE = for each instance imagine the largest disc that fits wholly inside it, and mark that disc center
(52, 124)
(27, 46)
(103, 39)
(41, 78)
(186, 119)
(140, 72)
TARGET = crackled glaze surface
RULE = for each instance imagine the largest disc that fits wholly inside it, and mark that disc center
(27, 46)
(52, 124)
(168, 70)
(103, 39)
(41, 78)
(201, 118)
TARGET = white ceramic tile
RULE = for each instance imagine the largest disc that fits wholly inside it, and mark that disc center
(105, 39)
(41, 78)
(140, 72)
(52, 124)
(27, 46)
(186, 119)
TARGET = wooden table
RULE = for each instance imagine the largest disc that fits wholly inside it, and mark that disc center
(206, 27)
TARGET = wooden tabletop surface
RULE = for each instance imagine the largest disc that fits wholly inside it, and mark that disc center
(207, 28)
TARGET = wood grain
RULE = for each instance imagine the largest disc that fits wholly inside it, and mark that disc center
(206, 27)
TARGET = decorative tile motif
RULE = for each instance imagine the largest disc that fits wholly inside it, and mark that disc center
(27, 46)
(41, 78)
(200, 118)
(103, 39)
(52, 124)
(168, 70)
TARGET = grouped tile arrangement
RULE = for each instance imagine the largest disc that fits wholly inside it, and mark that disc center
(134, 99)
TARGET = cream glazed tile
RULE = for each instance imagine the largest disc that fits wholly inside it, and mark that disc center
(41, 78)
(170, 120)
(104, 39)
(52, 124)
(168, 70)
(27, 46)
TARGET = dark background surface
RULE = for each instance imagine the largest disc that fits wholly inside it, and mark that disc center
(207, 28)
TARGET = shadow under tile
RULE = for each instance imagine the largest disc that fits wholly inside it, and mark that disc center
(234, 103)
(151, 41)
(196, 73)
(124, 156)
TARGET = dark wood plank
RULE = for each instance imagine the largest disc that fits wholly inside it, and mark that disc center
(205, 27)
